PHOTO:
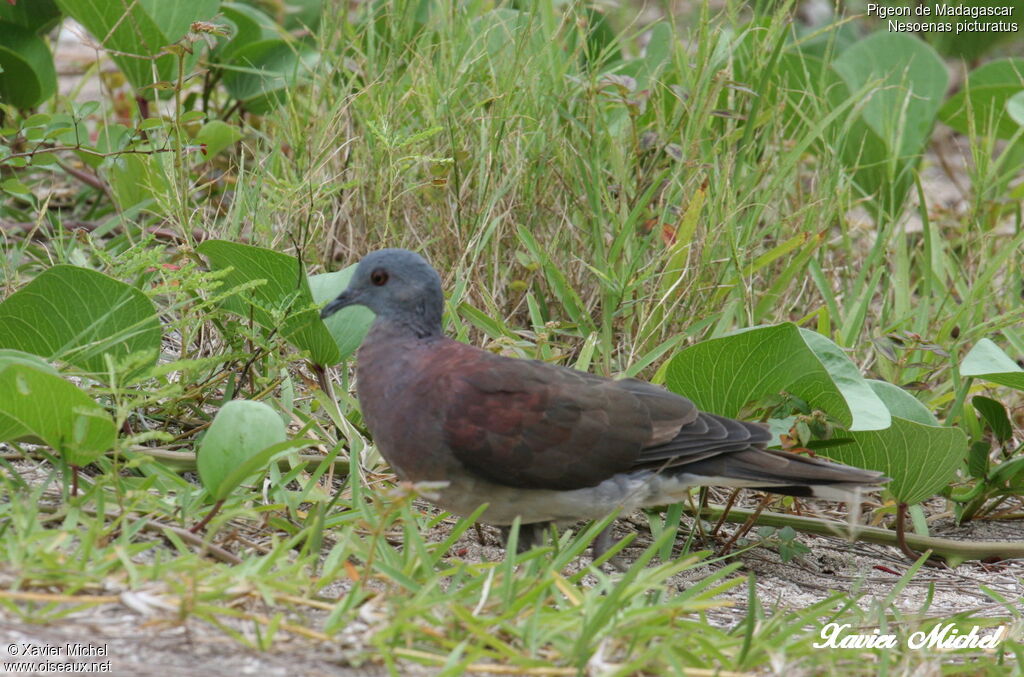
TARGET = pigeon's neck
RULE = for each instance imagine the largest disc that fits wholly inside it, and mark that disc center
(422, 322)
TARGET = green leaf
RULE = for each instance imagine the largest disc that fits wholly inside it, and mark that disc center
(140, 180)
(86, 108)
(970, 45)
(303, 14)
(978, 459)
(903, 404)
(148, 27)
(259, 461)
(995, 415)
(261, 73)
(906, 83)
(78, 316)
(285, 289)
(44, 160)
(109, 138)
(920, 459)
(722, 375)
(217, 135)
(987, 361)
(987, 96)
(1015, 108)
(657, 54)
(37, 120)
(38, 16)
(240, 431)
(498, 33)
(912, 83)
(349, 325)
(249, 25)
(15, 187)
(38, 405)
(27, 75)
(861, 149)
(8, 357)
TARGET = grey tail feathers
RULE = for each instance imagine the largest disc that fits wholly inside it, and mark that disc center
(783, 472)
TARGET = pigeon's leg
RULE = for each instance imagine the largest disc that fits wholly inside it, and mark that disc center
(479, 533)
(603, 543)
(530, 535)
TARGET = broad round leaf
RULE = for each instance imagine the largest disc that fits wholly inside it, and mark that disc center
(39, 16)
(903, 404)
(240, 431)
(261, 73)
(27, 75)
(216, 135)
(906, 83)
(721, 375)
(349, 325)
(139, 180)
(303, 14)
(902, 109)
(249, 25)
(920, 459)
(148, 27)
(42, 406)
(1015, 108)
(987, 97)
(8, 356)
(78, 316)
(987, 361)
(284, 287)
(861, 149)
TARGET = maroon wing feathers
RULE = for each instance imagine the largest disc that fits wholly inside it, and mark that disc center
(525, 423)
(528, 424)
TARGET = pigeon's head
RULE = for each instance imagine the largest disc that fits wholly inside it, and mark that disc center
(397, 285)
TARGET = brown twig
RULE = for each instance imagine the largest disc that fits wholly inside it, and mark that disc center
(198, 526)
(89, 226)
(192, 539)
(159, 527)
(745, 527)
(901, 536)
(95, 153)
(725, 513)
(88, 179)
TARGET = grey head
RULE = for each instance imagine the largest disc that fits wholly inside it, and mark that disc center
(400, 287)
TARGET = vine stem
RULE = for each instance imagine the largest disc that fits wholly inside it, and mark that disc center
(953, 551)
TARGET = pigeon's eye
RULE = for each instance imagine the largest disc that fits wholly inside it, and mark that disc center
(379, 277)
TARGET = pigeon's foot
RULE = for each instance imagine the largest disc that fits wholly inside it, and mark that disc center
(530, 535)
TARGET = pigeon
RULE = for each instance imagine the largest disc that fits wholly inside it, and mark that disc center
(540, 442)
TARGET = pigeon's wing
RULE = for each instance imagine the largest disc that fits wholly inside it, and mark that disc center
(701, 436)
(706, 437)
(525, 423)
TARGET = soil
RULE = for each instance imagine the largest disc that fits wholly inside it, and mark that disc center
(140, 633)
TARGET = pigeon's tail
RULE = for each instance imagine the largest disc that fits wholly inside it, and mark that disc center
(784, 472)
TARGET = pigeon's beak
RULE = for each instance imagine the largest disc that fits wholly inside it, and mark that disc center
(345, 299)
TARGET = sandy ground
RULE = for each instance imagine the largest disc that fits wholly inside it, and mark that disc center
(140, 634)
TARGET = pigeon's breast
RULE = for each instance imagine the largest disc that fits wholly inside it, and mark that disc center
(400, 398)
